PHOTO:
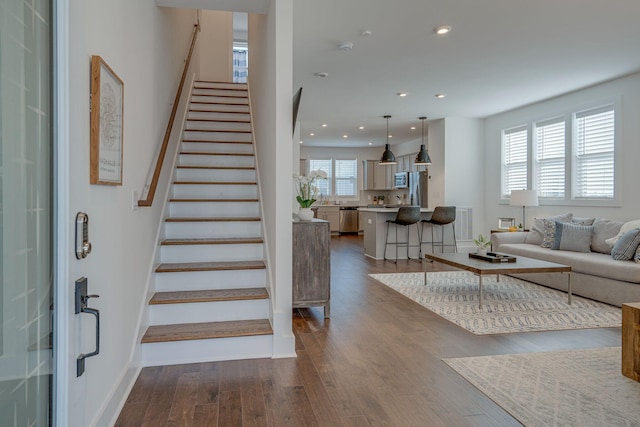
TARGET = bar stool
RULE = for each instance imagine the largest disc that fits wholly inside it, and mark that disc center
(406, 216)
(442, 215)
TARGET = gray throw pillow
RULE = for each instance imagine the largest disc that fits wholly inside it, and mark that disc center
(572, 237)
(626, 246)
(604, 229)
(536, 234)
(582, 221)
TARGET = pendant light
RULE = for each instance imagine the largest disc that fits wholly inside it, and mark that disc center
(422, 159)
(387, 157)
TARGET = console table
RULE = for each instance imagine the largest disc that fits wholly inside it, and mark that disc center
(311, 264)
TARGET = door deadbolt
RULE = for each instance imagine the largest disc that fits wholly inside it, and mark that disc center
(83, 246)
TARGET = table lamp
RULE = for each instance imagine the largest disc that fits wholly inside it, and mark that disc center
(523, 198)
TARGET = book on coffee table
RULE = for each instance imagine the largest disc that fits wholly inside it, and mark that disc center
(494, 257)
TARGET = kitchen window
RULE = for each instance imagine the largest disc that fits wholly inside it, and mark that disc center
(572, 158)
(342, 176)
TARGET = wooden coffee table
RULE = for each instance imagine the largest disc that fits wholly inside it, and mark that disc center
(484, 268)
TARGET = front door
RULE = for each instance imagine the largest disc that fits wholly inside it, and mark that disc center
(26, 290)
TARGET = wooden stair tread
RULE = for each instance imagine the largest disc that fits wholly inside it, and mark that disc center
(216, 241)
(195, 110)
(209, 295)
(219, 120)
(218, 167)
(206, 141)
(209, 266)
(196, 219)
(219, 130)
(208, 330)
(212, 200)
(196, 153)
(217, 95)
(215, 183)
(220, 103)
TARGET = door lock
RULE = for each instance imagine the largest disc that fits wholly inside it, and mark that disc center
(83, 246)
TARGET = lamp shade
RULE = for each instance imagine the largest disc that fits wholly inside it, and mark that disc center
(422, 159)
(388, 158)
(523, 198)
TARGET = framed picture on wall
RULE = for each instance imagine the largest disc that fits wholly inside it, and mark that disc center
(107, 110)
(505, 223)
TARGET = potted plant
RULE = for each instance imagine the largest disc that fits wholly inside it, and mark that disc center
(482, 243)
(307, 192)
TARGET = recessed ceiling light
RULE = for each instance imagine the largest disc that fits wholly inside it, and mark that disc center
(361, 127)
(345, 136)
(371, 143)
(312, 134)
(345, 46)
(413, 128)
(441, 95)
(390, 136)
(402, 94)
(442, 30)
(321, 74)
(301, 142)
(324, 125)
(366, 33)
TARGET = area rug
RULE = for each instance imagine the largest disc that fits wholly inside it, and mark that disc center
(510, 305)
(562, 388)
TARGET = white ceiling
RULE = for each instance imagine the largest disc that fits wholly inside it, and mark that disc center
(500, 54)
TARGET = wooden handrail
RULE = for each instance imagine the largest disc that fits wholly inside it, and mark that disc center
(165, 142)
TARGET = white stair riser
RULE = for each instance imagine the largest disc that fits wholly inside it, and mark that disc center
(203, 280)
(216, 175)
(215, 191)
(217, 136)
(219, 126)
(219, 107)
(196, 351)
(218, 100)
(229, 117)
(213, 209)
(212, 147)
(212, 160)
(218, 311)
(205, 253)
(220, 92)
(203, 230)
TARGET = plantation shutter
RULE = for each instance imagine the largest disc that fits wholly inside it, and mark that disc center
(593, 160)
(550, 158)
(346, 177)
(324, 185)
(514, 168)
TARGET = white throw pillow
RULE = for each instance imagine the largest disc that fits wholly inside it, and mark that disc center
(628, 226)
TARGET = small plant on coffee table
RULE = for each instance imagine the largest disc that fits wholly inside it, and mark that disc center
(482, 243)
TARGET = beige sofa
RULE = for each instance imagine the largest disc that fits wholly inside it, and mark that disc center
(595, 274)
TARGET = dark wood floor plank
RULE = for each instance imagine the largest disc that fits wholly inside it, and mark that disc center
(182, 409)
(376, 362)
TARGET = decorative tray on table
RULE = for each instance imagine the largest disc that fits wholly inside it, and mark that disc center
(494, 257)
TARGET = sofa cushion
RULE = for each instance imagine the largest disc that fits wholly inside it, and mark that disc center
(627, 226)
(626, 246)
(536, 235)
(595, 264)
(604, 229)
(582, 221)
(636, 258)
(572, 237)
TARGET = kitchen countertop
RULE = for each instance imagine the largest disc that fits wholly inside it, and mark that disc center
(386, 210)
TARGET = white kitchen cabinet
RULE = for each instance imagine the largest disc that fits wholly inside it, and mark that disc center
(377, 176)
(331, 214)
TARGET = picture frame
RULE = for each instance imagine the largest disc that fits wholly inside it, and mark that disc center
(107, 114)
(505, 223)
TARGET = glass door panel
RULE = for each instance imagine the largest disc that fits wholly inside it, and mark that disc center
(26, 178)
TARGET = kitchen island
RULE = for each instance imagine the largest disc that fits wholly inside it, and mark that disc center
(375, 230)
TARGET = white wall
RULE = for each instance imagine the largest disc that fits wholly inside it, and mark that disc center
(270, 82)
(628, 88)
(145, 45)
(216, 46)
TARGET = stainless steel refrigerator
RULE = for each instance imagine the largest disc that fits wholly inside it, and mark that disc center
(419, 188)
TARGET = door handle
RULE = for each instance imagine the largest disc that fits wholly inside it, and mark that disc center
(81, 306)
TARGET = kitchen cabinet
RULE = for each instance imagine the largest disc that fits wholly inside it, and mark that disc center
(311, 272)
(330, 214)
(377, 176)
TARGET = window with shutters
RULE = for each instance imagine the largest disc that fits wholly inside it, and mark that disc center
(593, 157)
(514, 160)
(572, 158)
(342, 176)
(549, 149)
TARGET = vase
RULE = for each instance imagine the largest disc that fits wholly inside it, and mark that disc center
(481, 251)
(305, 214)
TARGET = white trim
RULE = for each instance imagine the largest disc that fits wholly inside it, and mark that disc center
(62, 292)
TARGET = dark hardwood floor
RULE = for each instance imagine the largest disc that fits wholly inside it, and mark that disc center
(376, 362)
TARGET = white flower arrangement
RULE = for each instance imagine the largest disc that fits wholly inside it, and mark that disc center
(306, 188)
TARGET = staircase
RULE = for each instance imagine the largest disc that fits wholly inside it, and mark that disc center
(211, 301)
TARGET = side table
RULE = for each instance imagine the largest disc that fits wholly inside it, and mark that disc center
(631, 340)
